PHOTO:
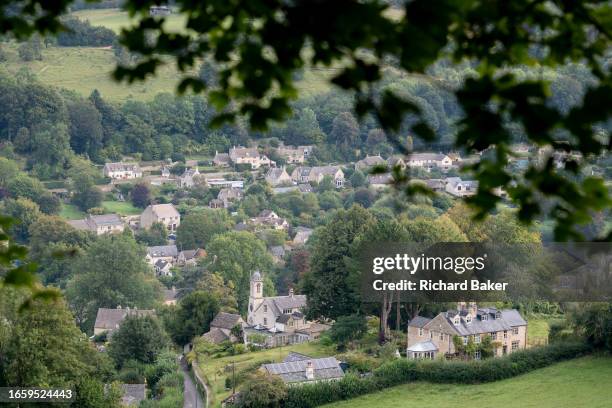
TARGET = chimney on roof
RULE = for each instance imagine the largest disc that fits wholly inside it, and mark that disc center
(309, 370)
(119, 307)
(291, 292)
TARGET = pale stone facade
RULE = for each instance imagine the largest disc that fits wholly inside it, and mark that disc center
(431, 338)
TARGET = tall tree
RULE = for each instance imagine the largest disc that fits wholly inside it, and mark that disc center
(331, 292)
(140, 338)
(112, 272)
(199, 228)
(345, 134)
(193, 316)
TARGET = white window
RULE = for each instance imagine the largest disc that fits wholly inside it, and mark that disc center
(441, 336)
(515, 331)
(505, 334)
(515, 345)
(420, 331)
(465, 340)
(493, 335)
(457, 320)
(477, 355)
(477, 338)
(484, 317)
(468, 318)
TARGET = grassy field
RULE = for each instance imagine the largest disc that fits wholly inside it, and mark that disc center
(116, 19)
(585, 382)
(71, 212)
(83, 69)
(538, 327)
(121, 208)
(214, 369)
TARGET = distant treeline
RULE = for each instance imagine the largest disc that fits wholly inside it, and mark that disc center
(82, 33)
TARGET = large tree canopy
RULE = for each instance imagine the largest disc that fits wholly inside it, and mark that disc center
(258, 46)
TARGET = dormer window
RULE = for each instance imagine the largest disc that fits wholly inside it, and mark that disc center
(457, 320)
(265, 308)
(484, 317)
(468, 319)
(497, 315)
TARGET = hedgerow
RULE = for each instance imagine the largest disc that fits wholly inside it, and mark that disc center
(402, 371)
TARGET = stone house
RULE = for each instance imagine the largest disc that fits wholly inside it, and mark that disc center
(279, 319)
(122, 171)
(460, 188)
(276, 176)
(249, 155)
(221, 160)
(189, 178)
(291, 154)
(370, 161)
(164, 213)
(269, 219)
(431, 338)
(379, 181)
(99, 224)
(109, 320)
(167, 253)
(221, 328)
(133, 394)
(163, 268)
(229, 196)
(299, 369)
(317, 174)
(396, 161)
(429, 160)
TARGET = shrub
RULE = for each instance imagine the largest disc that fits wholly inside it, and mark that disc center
(401, 371)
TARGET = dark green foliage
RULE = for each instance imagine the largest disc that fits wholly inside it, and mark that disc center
(199, 228)
(138, 338)
(156, 235)
(262, 391)
(140, 195)
(348, 328)
(82, 34)
(192, 317)
(402, 371)
(594, 322)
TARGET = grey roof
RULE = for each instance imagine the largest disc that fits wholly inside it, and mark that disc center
(243, 152)
(104, 220)
(164, 210)
(120, 166)
(266, 214)
(110, 319)
(284, 318)
(419, 321)
(188, 253)
(216, 336)
(226, 320)
(385, 178)
(275, 172)
(241, 226)
(161, 264)
(508, 319)
(222, 158)
(370, 161)
(162, 251)
(426, 156)
(422, 346)
(289, 302)
(133, 394)
(295, 371)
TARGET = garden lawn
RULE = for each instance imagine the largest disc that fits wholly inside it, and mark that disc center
(584, 382)
(71, 212)
(538, 328)
(214, 369)
(121, 208)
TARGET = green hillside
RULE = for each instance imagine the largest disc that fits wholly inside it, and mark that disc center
(585, 382)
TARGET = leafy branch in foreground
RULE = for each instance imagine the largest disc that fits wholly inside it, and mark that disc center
(259, 45)
(15, 272)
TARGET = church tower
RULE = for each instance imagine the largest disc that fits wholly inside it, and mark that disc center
(255, 294)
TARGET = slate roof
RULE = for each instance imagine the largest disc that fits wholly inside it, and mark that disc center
(110, 319)
(120, 166)
(508, 319)
(426, 156)
(164, 210)
(419, 321)
(295, 371)
(221, 158)
(226, 320)
(243, 152)
(162, 251)
(278, 251)
(216, 336)
(369, 161)
(284, 318)
(104, 220)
